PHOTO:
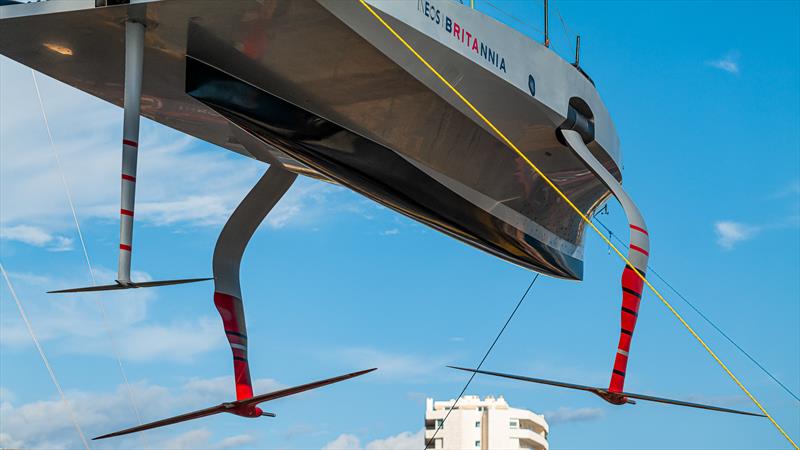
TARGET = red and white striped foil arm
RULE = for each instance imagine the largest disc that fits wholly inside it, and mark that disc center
(632, 285)
(228, 253)
(638, 255)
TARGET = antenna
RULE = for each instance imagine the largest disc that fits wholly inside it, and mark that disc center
(546, 32)
(578, 51)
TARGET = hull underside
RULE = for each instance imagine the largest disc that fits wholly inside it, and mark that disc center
(325, 101)
(368, 168)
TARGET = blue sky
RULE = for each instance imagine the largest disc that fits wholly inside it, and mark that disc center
(706, 100)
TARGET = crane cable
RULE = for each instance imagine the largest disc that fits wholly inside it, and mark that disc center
(44, 358)
(100, 304)
(708, 320)
(480, 364)
(536, 169)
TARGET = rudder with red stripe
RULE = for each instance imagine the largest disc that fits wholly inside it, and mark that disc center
(632, 287)
(638, 255)
(631, 296)
(231, 309)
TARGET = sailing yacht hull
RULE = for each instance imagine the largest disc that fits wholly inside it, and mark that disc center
(327, 91)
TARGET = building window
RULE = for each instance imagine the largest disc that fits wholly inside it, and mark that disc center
(513, 424)
(477, 424)
(477, 443)
(438, 423)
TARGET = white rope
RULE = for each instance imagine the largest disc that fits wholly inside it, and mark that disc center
(61, 172)
(44, 358)
(111, 339)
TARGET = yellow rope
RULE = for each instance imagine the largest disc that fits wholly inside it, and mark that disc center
(581, 214)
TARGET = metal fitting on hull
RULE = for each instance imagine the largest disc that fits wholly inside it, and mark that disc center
(577, 121)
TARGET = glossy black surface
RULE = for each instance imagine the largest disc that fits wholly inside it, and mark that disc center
(369, 168)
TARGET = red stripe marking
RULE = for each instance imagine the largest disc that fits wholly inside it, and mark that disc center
(126, 212)
(128, 178)
(630, 273)
(640, 250)
(641, 230)
(133, 144)
(124, 247)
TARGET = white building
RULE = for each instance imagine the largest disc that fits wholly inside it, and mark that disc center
(484, 424)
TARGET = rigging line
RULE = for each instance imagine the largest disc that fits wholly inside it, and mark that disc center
(513, 17)
(566, 28)
(427, 444)
(44, 358)
(561, 194)
(700, 313)
(100, 304)
(567, 31)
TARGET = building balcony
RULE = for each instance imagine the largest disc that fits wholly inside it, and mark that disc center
(529, 439)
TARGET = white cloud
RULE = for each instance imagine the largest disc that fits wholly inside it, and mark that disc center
(75, 324)
(730, 233)
(202, 438)
(179, 341)
(344, 442)
(791, 189)
(71, 315)
(181, 180)
(307, 202)
(220, 387)
(26, 234)
(188, 440)
(234, 441)
(36, 237)
(6, 441)
(6, 394)
(46, 423)
(567, 414)
(390, 232)
(728, 63)
(61, 244)
(300, 430)
(402, 441)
